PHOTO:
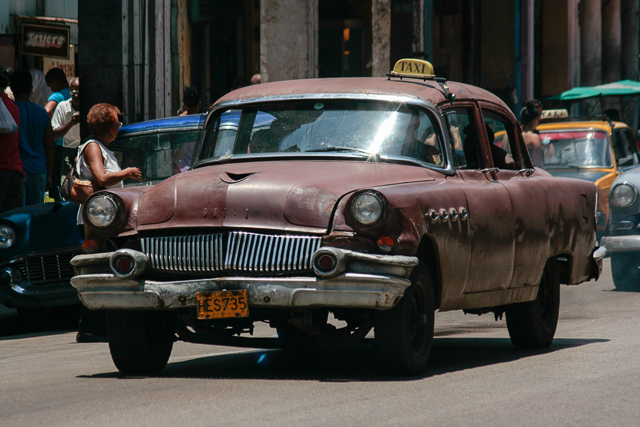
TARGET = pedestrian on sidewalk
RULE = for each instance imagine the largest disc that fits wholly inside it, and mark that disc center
(11, 175)
(530, 117)
(65, 124)
(57, 80)
(36, 139)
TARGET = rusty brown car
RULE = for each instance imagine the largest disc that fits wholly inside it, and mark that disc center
(332, 207)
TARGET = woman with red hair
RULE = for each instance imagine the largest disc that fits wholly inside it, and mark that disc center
(98, 164)
(95, 161)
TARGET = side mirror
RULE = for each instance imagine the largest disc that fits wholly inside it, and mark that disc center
(626, 161)
(638, 134)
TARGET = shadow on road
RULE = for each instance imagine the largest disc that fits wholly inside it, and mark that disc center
(357, 363)
(38, 322)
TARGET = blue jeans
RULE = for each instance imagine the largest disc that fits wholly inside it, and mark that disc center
(34, 188)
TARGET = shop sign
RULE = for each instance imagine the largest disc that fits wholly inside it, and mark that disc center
(45, 40)
(66, 65)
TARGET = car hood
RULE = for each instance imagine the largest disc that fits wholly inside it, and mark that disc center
(42, 227)
(281, 195)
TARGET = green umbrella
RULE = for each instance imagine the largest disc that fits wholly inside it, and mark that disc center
(621, 88)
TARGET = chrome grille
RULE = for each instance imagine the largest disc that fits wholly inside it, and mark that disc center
(235, 251)
(46, 268)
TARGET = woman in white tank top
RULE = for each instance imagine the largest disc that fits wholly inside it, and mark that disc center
(96, 162)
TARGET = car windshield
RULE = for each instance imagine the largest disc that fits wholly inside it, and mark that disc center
(329, 126)
(576, 149)
(158, 155)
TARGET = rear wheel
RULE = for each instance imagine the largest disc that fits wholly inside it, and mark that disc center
(140, 341)
(404, 334)
(533, 324)
(625, 272)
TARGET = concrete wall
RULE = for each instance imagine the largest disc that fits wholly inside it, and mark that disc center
(291, 28)
(14, 7)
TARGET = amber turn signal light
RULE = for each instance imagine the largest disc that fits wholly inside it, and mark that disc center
(386, 243)
(90, 245)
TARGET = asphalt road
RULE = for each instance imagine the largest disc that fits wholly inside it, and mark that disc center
(589, 377)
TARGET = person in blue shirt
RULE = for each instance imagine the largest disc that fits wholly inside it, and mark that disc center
(35, 139)
(57, 81)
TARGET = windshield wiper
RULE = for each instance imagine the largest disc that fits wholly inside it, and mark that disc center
(327, 149)
(562, 166)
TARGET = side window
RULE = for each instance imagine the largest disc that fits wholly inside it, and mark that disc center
(499, 132)
(464, 139)
(624, 148)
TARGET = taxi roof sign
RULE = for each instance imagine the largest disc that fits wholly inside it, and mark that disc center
(409, 67)
(554, 114)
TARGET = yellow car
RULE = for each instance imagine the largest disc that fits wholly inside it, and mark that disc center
(594, 149)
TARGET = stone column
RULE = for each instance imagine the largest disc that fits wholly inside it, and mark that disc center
(288, 39)
(629, 43)
(590, 43)
(527, 50)
(381, 36)
(99, 55)
(611, 39)
(573, 29)
(629, 54)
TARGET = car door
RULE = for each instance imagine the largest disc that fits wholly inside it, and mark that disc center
(624, 147)
(527, 192)
(490, 212)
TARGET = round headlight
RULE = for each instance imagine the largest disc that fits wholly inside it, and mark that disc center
(367, 208)
(101, 211)
(7, 236)
(624, 194)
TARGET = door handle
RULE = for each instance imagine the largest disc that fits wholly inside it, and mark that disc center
(490, 170)
(526, 172)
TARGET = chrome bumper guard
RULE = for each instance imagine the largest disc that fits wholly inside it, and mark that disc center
(367, 281)
(621, 243)
(597, 259)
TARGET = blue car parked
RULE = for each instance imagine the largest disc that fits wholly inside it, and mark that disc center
(38, 241)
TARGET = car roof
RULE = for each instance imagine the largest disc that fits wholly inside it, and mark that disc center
(596, 124)
(428, 90)
(192, 120)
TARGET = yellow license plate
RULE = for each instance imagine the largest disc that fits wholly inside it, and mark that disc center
(222, 304)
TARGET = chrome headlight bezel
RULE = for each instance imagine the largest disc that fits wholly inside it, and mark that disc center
(376, 201)
(624, 201)
(8, 236)
(112, 208)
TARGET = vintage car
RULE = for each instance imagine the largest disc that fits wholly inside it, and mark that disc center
(334, 207)
(623, 243)
(594, 149)
(37, 242)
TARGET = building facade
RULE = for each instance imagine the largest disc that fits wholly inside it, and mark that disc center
(139, 55)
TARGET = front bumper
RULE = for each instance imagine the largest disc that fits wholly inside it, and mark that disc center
(621, 243)
(363, 281)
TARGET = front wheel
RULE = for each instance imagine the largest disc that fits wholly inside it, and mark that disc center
(625, 272)
(533, 324)
(140, 341)
(404, 334)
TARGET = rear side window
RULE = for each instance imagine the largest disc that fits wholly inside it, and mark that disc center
(465, 142)
(157, 155)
